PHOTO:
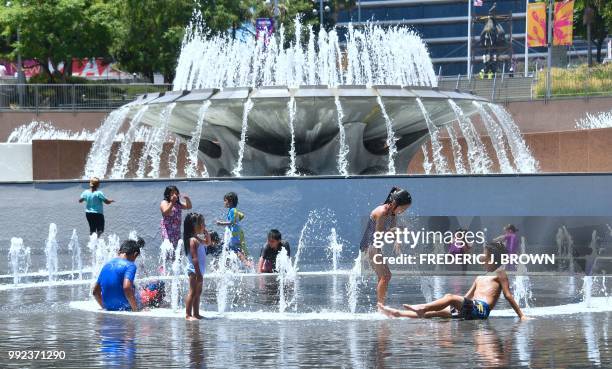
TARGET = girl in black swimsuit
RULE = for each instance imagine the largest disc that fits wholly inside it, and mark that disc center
(383, 219)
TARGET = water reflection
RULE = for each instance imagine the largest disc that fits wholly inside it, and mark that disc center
(117, 340)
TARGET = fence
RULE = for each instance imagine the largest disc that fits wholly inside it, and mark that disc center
(72, 97)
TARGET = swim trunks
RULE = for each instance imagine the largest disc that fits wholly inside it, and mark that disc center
(471, 310)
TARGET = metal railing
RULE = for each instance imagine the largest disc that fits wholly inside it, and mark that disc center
(72, 97)
(506, 87)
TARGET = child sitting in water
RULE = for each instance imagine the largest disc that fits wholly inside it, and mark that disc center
(477, 302)
(237, 243)
(195, 251)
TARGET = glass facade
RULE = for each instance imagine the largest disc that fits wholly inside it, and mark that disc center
(444, 27)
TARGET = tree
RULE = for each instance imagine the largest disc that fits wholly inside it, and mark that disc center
(149, 34)
(56, 31)
(602, 22)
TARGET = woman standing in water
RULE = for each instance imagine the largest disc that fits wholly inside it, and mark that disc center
(383, 219)
(171, 208)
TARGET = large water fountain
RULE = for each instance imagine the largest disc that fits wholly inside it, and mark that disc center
(324, 106)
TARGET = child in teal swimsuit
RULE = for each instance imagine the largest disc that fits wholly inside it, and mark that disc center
(477, 302)
(233, 218)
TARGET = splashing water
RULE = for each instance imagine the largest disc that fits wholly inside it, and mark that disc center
(75, 247)
(391, 139)
(587, 289)
(191, 167)
(36, 130)
(457, 156)
(166, 253)
(177, 272)
(120, 167)
(92, 245)
(353, 284)
(436, 146)
(157, 142)
(477, 155)
(226, 267)
(497, 138)
(51, 248)
(19, 259)
(286, 276)
(221, 61)
(97, 160)
(344, 148)
(292, 172)
(334, 248)
(173, 158)
(248, 105)
(522, 284)
(426, 163)
(523, 158)
(593, 121)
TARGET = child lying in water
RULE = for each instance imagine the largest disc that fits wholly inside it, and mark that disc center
(477, 302)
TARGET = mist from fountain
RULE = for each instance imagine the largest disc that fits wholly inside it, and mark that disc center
(19, 259)
(173, 158)
(166, 253)
(286, 278)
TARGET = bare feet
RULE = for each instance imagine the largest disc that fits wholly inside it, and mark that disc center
(190, 318)
(418, 309)
(390, 312)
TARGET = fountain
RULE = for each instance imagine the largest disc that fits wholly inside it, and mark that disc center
(370, 108)
(75, 247)
(51, 247)
(19, 259)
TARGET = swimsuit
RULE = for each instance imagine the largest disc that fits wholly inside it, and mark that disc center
(237, 242)
(201, 250)
(368, 235)
(171, 224)
(472, 310)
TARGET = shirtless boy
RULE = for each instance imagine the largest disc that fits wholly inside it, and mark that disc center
(477, 302)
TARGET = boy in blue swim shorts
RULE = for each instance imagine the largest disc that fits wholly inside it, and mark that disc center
(477, 303)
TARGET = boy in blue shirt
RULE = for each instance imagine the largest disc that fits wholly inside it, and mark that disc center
(94, 202)
(114, 289)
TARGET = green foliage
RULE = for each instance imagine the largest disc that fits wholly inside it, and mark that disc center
(579, 81)
(602, 22)
(56, 30)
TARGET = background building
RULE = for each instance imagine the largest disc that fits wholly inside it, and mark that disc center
(443, 24)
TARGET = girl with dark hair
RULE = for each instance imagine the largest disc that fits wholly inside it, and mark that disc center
(171, 208)
(237, 242)
(383, 219)
(195, 252)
